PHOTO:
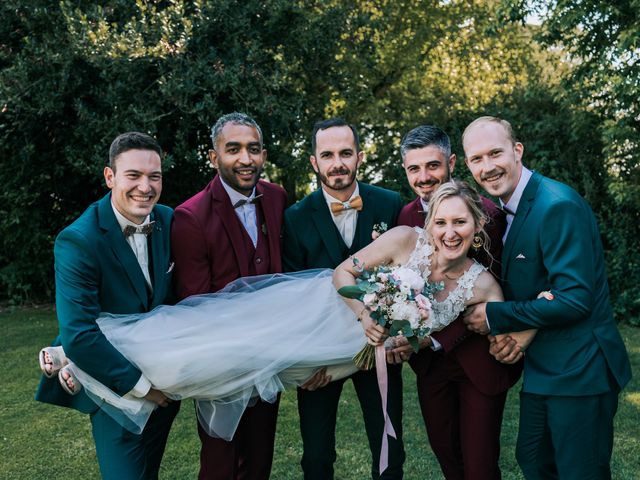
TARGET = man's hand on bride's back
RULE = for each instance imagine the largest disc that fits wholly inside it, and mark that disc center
(157, 397)
(318, 380)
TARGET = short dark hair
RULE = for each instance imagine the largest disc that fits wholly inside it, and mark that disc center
(236, 118)
(132, 141)
(329, 123)
(425, 136)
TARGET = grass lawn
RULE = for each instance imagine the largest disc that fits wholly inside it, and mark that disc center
(43, 441)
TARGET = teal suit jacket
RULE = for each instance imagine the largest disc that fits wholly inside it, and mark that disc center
(97, 271)
(554, 244)
(311, 239)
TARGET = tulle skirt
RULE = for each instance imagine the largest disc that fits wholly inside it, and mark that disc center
(249, 341)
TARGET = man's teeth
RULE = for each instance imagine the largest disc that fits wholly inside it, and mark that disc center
(493, 178)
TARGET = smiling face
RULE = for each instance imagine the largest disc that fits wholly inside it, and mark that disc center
(427, 168)
(336, 161)
(493, 158)
(239, 157)
(135, 183)
(452, 228)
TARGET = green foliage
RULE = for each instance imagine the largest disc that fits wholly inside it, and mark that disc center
(75, 74)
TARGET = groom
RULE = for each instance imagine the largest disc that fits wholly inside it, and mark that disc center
(100, 267)
(577, 363)
(231, 229)
(321, 231)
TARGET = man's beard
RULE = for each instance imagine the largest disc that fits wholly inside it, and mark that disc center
(338, 184)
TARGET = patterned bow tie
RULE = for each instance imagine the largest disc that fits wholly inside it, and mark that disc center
(354, 204)
(242, 202)
(146, 229)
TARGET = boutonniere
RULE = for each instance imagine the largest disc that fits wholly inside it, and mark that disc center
(379, 229)
(264, 229)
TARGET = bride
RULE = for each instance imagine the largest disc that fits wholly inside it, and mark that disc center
(262, 334)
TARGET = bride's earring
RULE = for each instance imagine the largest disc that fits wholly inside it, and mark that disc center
(477, 242)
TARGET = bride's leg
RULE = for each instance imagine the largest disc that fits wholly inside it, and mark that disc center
(69, 381)
(52, 359)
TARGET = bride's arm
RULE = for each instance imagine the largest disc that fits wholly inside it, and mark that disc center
(391, 248)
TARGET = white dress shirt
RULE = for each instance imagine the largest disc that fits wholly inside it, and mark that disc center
(514, 201)
(246, 213)
(346, 220)
(138, 243)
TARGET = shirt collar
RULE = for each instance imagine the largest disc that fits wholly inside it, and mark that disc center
(236, 196)
(329, 199)
(425, 205)
(124, 222)
(512, 204)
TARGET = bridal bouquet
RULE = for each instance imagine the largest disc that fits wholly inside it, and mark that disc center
(398, 299)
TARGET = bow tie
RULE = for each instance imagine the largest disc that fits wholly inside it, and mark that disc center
(354, 204)
(146, 229)
(248, 201)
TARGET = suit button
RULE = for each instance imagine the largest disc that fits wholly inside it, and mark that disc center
(258, 260)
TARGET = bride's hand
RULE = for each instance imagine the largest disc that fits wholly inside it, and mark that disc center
(376, 334)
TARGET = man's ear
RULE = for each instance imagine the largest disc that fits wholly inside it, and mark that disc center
(314, 163)
(108, 176)
(452, 163)
(518, 149)
(213, 158)
(360, 158)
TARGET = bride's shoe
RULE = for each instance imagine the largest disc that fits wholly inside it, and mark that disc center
(70, 384)
(56, 360)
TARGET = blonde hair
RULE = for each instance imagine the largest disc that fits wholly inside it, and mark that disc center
(462, 190)
(488, 119)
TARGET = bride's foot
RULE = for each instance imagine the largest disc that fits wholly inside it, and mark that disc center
(69, 381)
(52, 359)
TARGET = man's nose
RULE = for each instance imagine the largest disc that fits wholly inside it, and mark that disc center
(144, 185)
(424, 175)
(245, 157)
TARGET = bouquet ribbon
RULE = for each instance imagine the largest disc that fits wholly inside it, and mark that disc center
(381, 371)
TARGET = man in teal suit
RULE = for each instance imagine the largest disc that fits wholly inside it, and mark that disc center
(576, 364)
(321, 231)
(99, 269)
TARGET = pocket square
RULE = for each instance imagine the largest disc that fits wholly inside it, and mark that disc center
(521, 257)
(171, 265)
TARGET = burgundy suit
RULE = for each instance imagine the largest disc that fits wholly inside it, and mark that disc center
(212, 248)
(462, 389)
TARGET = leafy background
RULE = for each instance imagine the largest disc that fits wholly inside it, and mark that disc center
(75, 74)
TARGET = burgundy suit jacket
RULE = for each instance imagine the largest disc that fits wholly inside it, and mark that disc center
(471, 350)
(207, 238)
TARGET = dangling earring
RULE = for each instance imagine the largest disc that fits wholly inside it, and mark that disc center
(477, 242)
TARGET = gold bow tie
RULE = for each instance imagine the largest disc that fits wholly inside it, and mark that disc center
(354, 204)
(145, 229)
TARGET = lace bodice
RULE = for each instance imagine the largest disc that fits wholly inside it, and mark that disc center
(446, 311)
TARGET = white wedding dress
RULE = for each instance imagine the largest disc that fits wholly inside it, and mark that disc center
(251, 340)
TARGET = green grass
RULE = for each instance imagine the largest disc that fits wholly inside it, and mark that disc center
(43, 441)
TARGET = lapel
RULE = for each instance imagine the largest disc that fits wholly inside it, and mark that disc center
(223, 208)
(327, 230)
(364, 227)
(158, 254)
(524, 207)
(121, 249)
(419, 216)
(273, 223)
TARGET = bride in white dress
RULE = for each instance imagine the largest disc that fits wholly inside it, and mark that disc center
(262, 334)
